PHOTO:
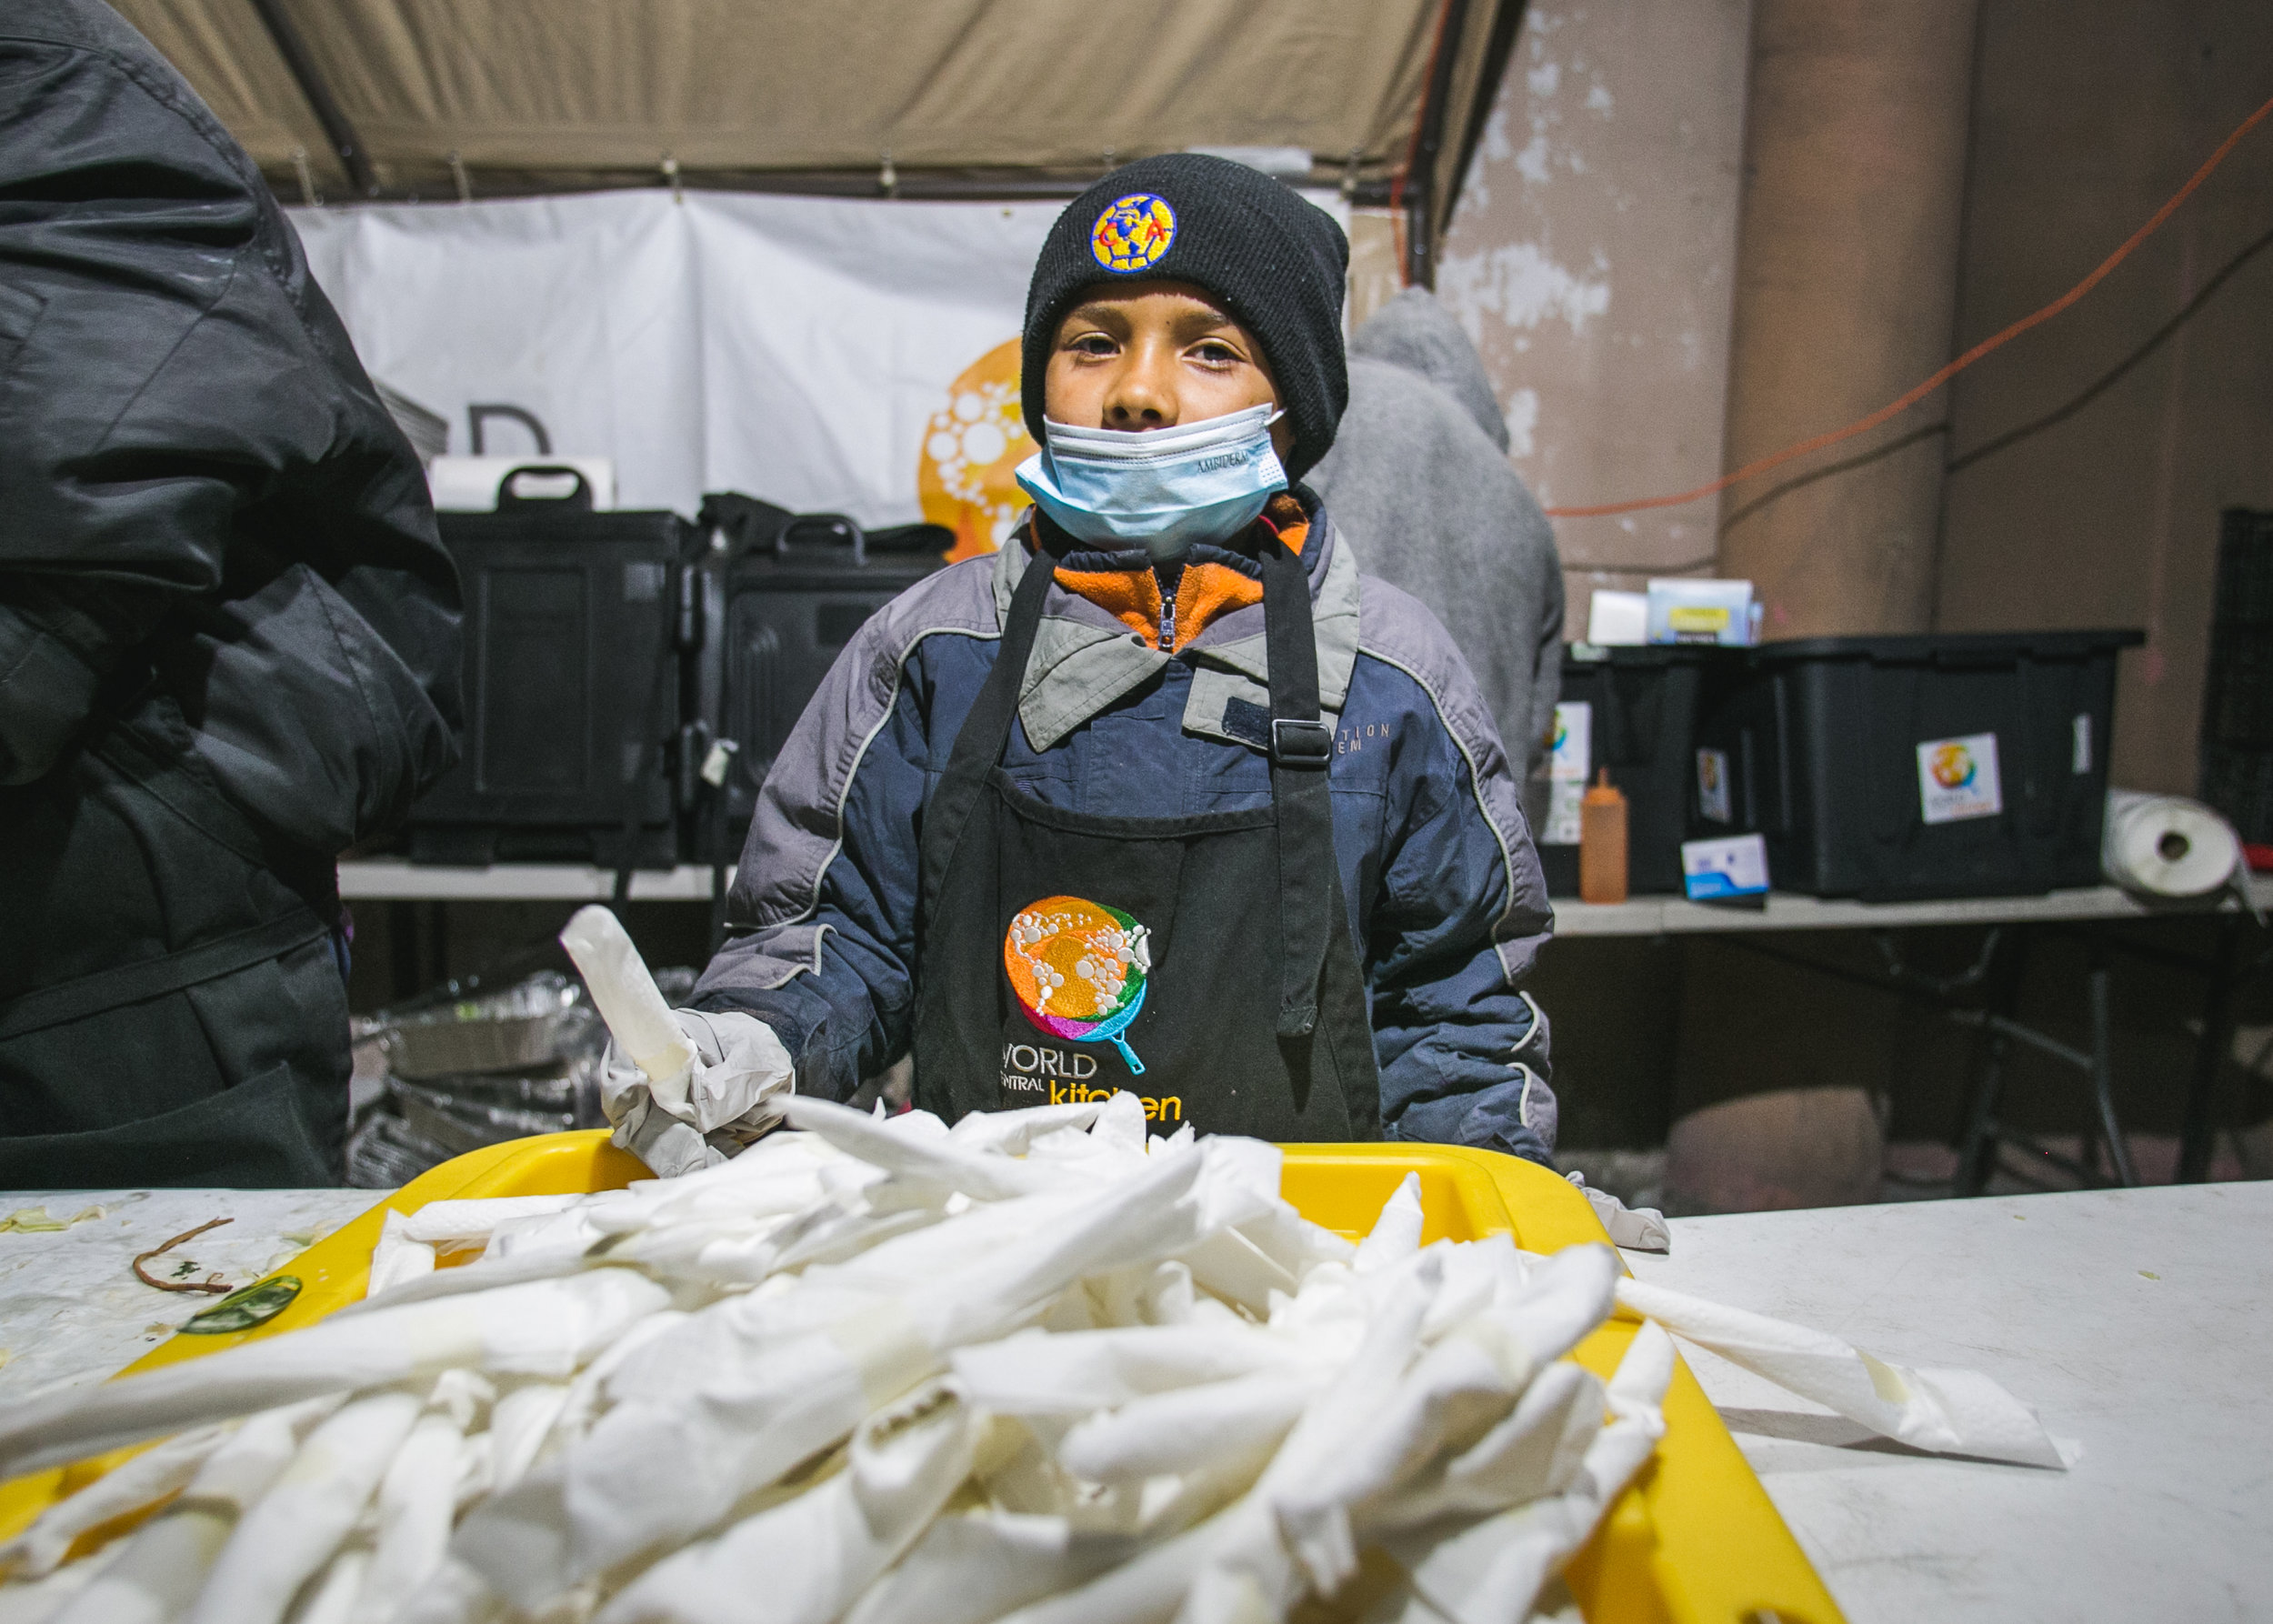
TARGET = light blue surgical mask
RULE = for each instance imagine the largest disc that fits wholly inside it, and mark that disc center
(1159, 488)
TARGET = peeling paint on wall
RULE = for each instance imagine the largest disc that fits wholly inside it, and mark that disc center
(1522, 413)
(1589, 260)
(1522, 287)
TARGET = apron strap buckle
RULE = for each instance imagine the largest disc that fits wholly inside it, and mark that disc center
(1298, 743)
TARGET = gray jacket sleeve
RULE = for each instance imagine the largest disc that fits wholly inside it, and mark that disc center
(1460, 916)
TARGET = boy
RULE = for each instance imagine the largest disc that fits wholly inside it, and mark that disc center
(1163, 797)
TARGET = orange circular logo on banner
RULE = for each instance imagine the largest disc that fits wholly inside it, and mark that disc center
(1134, 232)
(965, 477)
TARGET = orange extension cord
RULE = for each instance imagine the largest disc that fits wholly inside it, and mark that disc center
(1894, 408)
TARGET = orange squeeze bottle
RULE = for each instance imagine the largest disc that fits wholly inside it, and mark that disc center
(1602, 842)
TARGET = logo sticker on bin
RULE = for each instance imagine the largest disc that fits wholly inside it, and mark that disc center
(1957, 779)
(1079, 970)
(1713, 801)
(1569, 756)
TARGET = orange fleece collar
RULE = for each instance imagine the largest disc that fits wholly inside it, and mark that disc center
(1205, 595)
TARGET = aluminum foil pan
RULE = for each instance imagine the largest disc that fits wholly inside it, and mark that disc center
(519, 1043)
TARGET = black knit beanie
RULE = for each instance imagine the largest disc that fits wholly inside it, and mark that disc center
(1278, 265)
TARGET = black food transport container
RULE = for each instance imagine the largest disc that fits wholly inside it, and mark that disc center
(576, 626)
(1634, 710)
(1909, 768)
(2238, 693)
(785, 593)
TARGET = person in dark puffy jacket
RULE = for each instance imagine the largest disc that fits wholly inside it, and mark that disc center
(1164, 800)
(228, 636)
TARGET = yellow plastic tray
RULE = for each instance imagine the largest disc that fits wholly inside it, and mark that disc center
(1695, 1541)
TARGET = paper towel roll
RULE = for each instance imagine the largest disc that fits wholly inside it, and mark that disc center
(2166, 844)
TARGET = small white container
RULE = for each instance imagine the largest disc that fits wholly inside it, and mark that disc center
(469, 484)
(1685, 611)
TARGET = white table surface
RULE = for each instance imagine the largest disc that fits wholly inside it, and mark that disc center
(2136, 1323)
(399, 879)
(1674, 916)
(70, 1310)
(382, 879)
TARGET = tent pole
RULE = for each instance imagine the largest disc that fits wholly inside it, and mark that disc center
(1420, 270)
(1420, 259)
(321, 102)
(1507, 23)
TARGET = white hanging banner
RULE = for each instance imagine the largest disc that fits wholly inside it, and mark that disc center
(853, 355)
(828, 354)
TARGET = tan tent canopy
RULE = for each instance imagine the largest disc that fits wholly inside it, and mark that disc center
(917, 97)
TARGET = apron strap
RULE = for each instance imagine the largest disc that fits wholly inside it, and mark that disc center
(985, 730)
(1301, 747)
(148, 978)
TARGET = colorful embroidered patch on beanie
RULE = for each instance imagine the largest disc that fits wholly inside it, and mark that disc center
(1134, 232)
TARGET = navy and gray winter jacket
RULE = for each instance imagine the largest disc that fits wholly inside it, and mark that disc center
(1447, 908)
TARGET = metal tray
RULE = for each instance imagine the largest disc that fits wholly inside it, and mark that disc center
(519, 1043)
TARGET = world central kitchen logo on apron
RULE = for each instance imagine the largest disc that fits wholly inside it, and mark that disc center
(1079, 970)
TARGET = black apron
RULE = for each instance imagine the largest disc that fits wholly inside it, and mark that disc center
(170, 1010)
(1201, 963)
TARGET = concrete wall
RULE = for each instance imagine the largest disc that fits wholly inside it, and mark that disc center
(1590, 259)
(2086, 118)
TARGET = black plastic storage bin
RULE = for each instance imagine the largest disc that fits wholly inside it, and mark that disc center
(1958, 765)
(1642, 705)
(2237, 696)
(788, 591)
(576, 623)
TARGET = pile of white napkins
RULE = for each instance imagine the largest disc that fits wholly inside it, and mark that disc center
(1032, 1367)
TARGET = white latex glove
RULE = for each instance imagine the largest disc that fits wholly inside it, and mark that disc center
(697, 1118)
(1637, 1229)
